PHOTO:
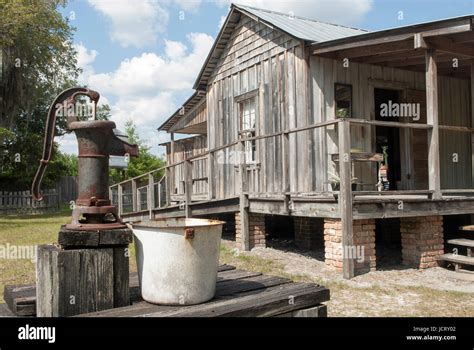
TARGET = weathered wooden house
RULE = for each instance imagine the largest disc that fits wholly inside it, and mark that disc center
(290, 122)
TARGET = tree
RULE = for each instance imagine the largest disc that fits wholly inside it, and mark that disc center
(145, 162)
(37, 56)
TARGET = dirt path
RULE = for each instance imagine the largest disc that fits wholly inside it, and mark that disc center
(392, 292)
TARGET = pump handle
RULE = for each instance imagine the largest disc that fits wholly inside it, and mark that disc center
(68, 95)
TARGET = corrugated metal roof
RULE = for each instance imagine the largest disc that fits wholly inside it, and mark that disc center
(298, 27)
(302, 28)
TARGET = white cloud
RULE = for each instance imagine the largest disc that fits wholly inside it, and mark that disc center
(174, 49)
(134, 23)
(148, 88)
(148, 73)
(336, 11)
(189, 5)
(85, 58)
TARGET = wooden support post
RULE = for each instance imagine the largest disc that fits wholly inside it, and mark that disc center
(172, 170)
(243, 200)
(151, 195)
(210, 175)
(432, 120)
(188, 187)
(77, 279)
(285, 158)
(168, 186)
(472, 125)
(345, 196)
(134, 195)
(120, 200)
(111, 195)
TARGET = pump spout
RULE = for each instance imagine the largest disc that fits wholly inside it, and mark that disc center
(119, 145)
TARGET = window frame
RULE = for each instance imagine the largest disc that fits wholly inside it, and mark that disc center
(251, 145)
(350, 115)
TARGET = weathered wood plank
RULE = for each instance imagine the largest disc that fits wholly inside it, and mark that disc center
(76, 238)
(72, 282)
(22, 299)
(121, 274)
(257, 303)
(432, 120)
(464, 242)
(345, 195)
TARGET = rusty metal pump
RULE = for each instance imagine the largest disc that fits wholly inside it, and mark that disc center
(97, 140)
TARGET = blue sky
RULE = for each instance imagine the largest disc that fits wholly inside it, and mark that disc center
(143, 55)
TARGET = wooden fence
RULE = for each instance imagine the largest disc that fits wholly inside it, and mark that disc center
(22, 202)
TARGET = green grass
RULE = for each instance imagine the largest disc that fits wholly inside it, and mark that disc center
(22, 230)
(31, 230)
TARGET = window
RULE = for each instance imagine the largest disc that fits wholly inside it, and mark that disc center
(248, 119)
(343, 99)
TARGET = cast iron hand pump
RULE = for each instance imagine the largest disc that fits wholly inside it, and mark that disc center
(97, 140)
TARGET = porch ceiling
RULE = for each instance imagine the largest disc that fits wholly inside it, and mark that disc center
(404, 47)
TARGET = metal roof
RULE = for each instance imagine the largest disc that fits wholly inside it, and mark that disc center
(298, 27)
(306, 29)
(301, 27)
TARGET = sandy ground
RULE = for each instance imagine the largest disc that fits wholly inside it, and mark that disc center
(393, 291)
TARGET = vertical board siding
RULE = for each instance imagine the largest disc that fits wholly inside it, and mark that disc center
(296, 89)
(453, 107)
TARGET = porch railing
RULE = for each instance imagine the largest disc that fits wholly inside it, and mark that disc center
(144, 193)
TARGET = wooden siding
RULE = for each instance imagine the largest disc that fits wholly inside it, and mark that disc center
(256, 57)
(194, 145)
(454, 109)
(296, 89)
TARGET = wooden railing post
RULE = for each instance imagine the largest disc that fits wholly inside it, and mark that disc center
(345, 197)
(285, 159)
(188, 187)
(210, 175)
(151, 195)
(432, 120)
(472, 125)
(134, 195)
(119, 200)
(168, 186)
(243, 200)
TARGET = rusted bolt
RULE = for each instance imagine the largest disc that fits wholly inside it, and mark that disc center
(189, 233)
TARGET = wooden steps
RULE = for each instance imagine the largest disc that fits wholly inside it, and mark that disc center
(463, 242)
(457, 259)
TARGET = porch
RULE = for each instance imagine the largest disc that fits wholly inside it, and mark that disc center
(438, 49)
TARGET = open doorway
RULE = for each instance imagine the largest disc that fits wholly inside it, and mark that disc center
(387, 137)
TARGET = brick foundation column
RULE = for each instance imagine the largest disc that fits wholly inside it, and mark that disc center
(363, 251)
(256, 230)
(364, 241)
(308, 232)
(422, 240)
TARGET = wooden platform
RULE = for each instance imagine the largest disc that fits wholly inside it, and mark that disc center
(238, 293)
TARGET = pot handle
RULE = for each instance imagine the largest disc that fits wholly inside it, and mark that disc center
(189, 233)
